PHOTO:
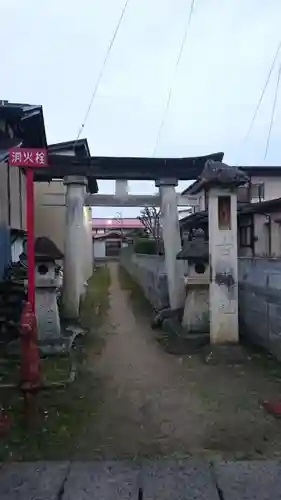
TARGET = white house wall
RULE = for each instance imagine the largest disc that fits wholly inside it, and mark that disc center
(49, 220)
(272, 186)
(99, 249)
(262, 234)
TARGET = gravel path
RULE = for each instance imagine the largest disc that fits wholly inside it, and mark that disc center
(158, 404)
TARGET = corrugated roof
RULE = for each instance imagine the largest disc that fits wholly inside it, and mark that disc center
(117, 223)
(111, 234)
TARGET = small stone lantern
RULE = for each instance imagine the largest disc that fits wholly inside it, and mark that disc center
(196, 317)
(46, 286)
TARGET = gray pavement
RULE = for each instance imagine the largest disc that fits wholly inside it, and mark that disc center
(152, 480)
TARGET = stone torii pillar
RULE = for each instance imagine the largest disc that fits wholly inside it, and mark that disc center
(221, 182)
(88, 246)
(74, 247)
(172, 242)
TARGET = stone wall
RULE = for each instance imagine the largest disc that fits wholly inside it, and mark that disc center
(260, 301)
(149, 272)
(259, 293)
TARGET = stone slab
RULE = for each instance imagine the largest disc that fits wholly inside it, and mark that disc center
(249, 480)
(32, 481)
(178, 480)
(101, 481)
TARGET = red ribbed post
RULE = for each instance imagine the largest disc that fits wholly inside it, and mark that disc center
(30, 237)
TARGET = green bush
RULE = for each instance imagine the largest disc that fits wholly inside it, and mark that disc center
(146, 246)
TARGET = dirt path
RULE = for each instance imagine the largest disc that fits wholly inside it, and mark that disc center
(158, 404)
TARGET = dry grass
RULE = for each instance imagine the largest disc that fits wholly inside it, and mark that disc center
(63, 415)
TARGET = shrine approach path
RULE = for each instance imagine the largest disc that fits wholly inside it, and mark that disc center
(157, 404)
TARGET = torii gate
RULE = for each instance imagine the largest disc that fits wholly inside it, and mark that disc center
(78, 172)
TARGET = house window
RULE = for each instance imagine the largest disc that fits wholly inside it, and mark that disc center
(243, 194)
(245, 236)
(257, 191)
(224, 212)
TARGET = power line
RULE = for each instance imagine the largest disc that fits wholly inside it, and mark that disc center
(273, 112)
(174, 74)
(262, 93)
(102, 70)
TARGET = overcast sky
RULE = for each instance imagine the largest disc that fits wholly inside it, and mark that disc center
(52, 52)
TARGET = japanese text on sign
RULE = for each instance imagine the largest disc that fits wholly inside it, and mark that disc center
(32, 157)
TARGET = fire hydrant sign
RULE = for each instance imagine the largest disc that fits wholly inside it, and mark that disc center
(28, 157)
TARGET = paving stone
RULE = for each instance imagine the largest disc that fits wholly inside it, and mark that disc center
(178, 480)
(32, 481)
(249, 480)
(101, 481)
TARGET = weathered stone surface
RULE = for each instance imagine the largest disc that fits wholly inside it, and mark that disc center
(150, 273)
(218, 173)
(178, 480)
(101, 481)
(32, 481)
(249, 480)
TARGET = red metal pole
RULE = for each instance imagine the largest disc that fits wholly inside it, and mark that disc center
(30, 237)
(30, 358)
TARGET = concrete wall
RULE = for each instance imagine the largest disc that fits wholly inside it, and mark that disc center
(260, 301)
(149, 271)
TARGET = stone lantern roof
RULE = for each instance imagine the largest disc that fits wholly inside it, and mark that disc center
(195, 250)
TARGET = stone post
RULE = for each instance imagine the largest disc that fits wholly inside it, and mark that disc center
(221, 183)
(88, 249)
(172, 242)
(73, 271)
(223, 260)
(121, 188)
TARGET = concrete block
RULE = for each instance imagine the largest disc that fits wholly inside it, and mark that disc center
(274, 317)
(178, 480)
(30, 481)
(249, 480)
(196, 317)
(274, 280)
(101, 481)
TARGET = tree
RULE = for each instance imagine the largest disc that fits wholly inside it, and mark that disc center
(150, 217)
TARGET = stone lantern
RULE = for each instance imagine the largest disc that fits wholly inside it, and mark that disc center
(46, 287)
(196, 316)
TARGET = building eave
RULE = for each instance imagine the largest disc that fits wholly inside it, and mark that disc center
(262, 207)
(26, 121)
(80, 144)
